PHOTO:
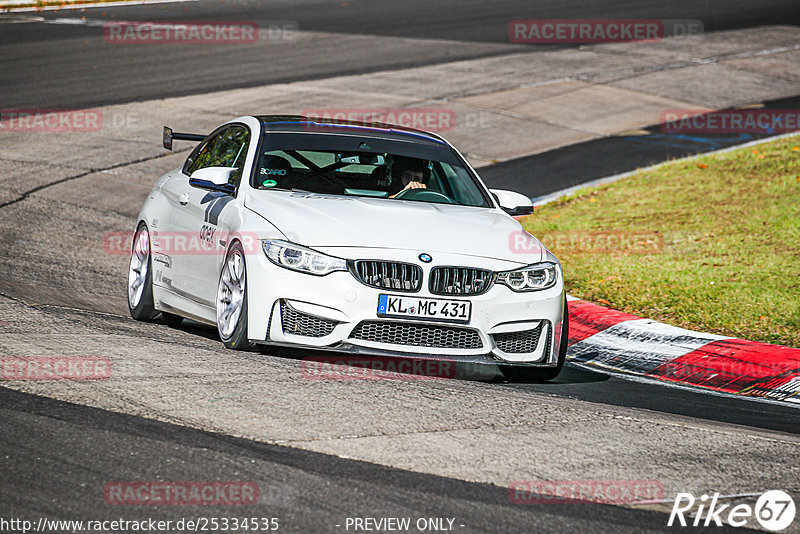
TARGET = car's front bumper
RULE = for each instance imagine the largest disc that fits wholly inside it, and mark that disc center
(338, 313)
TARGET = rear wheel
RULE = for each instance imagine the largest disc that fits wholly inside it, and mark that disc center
(534, 374)
(140, 279)
(232, 301)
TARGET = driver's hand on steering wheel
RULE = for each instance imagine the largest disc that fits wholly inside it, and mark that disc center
(411, 185)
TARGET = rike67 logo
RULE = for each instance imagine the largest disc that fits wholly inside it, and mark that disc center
(774, 510)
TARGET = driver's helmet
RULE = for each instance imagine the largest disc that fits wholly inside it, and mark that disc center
(401, 164)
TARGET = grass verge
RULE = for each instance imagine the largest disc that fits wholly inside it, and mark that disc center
(710, 244)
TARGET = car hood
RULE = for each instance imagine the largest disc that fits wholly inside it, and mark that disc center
(341, 221)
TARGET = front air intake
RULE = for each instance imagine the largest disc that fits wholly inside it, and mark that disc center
(460, 281)
(392, 275)
(302, 324)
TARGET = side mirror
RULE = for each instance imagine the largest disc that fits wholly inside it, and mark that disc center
(512, 203)
(167, 138)
(214, 179)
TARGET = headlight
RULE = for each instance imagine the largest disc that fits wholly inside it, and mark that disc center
(530, 278)
(298, 258)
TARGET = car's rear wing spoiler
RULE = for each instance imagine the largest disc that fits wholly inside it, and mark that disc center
(169, 135)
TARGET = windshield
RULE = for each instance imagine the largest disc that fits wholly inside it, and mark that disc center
(369, 174)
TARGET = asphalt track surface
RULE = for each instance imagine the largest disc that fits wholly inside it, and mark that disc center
(54, 455)
(541, 174)
(62, 454)
(70, 65)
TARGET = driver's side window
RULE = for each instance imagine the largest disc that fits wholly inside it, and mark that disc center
(228, 148)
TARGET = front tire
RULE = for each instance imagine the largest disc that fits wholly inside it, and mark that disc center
(533, 374)
(232, 301)
(140, 277)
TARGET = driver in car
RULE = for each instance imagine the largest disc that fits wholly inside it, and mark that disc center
(407, 173)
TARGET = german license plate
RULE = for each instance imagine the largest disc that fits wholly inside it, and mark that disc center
(454, 311)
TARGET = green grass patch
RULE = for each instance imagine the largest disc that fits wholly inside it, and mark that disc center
(710, 244)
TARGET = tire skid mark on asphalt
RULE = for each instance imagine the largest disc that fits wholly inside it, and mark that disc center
(641, 71)
(442, 430)
(104, 335)
(36, 189)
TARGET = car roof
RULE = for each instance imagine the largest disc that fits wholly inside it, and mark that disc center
(302, 124)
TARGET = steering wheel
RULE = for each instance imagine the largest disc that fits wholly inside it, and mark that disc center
(424, 195)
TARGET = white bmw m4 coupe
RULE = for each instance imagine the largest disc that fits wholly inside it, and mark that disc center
(358, 238)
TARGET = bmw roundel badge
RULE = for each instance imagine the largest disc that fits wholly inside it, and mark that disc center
(425, 258)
